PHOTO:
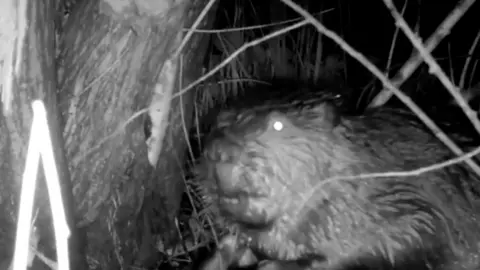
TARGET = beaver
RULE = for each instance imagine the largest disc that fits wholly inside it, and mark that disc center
(273, 167)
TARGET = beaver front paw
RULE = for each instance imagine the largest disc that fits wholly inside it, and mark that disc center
(231, 252)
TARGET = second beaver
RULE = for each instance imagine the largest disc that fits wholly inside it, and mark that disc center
(274, 168)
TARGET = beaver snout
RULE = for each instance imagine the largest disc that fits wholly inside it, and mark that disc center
(232, 181)
(226, 157)
(228, 183)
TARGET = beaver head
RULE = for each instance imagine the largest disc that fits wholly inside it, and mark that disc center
(258, 158)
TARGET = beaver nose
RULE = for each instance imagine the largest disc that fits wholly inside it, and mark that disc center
(227, 181)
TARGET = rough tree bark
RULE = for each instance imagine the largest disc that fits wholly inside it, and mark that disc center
(37, 80)
(112, 56)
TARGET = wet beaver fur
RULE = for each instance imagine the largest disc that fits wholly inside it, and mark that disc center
(272, 167)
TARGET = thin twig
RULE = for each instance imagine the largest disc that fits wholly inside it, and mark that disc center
(467, 61)
(450, 62)
(237, 52)
(194, 26)
(254, 27)
(434, 68)
(414, 172)
(118, 131)
(411, 65)
(375, 71)
(394, 42)
(474, 69)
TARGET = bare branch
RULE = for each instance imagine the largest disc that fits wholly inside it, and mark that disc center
(411, 65)
(375, 71)
(434, 68)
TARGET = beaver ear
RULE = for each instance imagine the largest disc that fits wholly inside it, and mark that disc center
(327, 114)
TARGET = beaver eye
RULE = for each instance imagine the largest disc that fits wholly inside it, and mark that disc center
(278, 125)
(277, 121)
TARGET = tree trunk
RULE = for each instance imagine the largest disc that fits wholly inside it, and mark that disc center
(36, 80)
(113, 57)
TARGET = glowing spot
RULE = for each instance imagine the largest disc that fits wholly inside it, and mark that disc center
(278, 126)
